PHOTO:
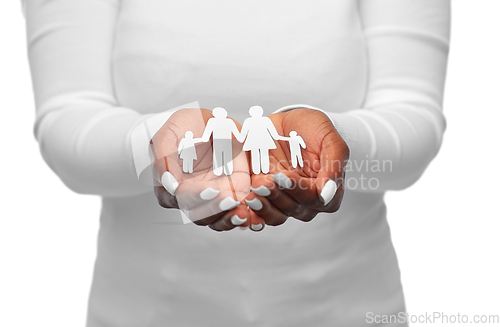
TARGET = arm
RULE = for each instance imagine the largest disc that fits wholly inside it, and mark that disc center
(181, 145)
(272, 130)
(208, 131)
(302, 143)
(84, 134)
(239, 137)
(401, 124)
(244, 132)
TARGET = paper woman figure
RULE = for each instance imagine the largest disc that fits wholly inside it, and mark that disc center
(187, 152)
(296, 142)
(259, 132)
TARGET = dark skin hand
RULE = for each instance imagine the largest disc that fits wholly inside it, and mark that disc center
(203, 212)
(325, 157)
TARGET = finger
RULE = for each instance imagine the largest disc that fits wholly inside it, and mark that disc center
(239, 182)
(333, 159)
(238, 216)
(164, 198)
(302, 189)
(314, 193)
(203, 213)
(264, 209)
(202, 204)
(191, 194)
(257, 224)
(169, 182)
(334, 204)
(267, 190)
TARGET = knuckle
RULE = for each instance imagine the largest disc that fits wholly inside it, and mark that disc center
(276, 221)
(215, 228)
(296, 211)
(333, 207)
(307, 215)
(199, 223)
(165, 202)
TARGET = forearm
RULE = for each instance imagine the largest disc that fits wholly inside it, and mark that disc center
(84, 134)
(90, 149)
(398, 130)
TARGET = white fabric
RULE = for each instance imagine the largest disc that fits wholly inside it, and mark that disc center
(101, 68)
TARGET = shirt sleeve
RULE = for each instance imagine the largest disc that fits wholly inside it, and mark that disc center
(91, 142)
(399, 129)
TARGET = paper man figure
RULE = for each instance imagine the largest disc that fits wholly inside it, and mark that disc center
(296, 142)
(259, 132)
(221, 127)
(187, 152)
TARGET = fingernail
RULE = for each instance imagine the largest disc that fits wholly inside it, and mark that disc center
(236, 221)
(261, 190)
(282, 180)
(209, 193)
(244, 228)
(328, 191)
(257, 227)
(169, 182)
(228, 204)
(255, 204)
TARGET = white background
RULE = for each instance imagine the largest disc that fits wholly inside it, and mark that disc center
(445, 228)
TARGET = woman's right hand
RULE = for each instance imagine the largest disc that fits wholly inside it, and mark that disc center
(206, 199)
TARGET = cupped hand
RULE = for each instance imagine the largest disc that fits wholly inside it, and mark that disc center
(301, 192)
(206, 199)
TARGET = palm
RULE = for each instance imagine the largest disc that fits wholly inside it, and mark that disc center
(313, 127)
(165, 144)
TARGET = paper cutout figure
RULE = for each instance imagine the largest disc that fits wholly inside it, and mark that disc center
(259, 132)
(296, 142)
(187, 152)
(221, 127)
(257, 135)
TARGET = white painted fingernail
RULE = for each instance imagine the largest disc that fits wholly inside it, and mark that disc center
(282, 180)
(255, 204)
(236, 221)
(257, 227)
(169, 182)
(261, 190)
(209, 193)
(328, 191)
(244, 228)
(228, 204)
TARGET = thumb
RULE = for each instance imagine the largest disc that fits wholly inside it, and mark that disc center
(333, 159)
(160, 170)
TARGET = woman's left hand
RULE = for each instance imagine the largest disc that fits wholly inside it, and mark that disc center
(301, 192)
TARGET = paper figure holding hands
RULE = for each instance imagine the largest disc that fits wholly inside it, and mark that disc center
(259, 132)
(296, 142)
(187, 151)
(221, 127)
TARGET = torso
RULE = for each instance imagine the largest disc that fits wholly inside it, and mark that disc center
(151, 269)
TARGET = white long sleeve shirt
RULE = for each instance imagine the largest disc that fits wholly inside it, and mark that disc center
(100, 68)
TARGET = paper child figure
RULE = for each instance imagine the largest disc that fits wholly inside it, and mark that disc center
(259, 132)
(296, 142)
(187, 152)
(221, 127)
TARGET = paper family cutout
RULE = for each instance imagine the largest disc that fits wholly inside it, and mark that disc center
(257, 135)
